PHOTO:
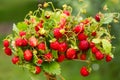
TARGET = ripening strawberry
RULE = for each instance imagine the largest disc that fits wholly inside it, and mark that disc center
(78, 28)
(54, 45)
(8, 51)
(84, 71)
(108, 58)
(82, 36)
(41, 46)
(71, 53)
(57, 33)
(84, 45)
(33, 41)
(40, 61)
(83, 56)
(67, 13)
(94, 34)
(99, 55)
(92, 44)
(28, 55)
(97, 17)
(37, 69)
(62, 47)
(15, 59)
(24, 42)
(48, 56)
(61, 58)
(18, 42)
(62, 22)
(94, 50)
(22, 33)
(86, 21)
(6, 43)
(47, 16)
(38, 26)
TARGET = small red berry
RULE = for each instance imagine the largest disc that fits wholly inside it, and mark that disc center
(28, 55)
(94, 34)
(82, 36)
(54, 45)
(67, 13)
(57, 33)
(24, 42)
(62, 22)
(62, 47)
(84, 71)
(19, 42)
(108, 58)
(40, 61)
(61, 58)
(33, 41)
(15, 59)
(41, 46)
(71, 53)
(94, 50)
(86, 21)
(47, 16)
(8, 51)
(6, 43)
(39, 25)
(99, 55)
(84, 45)
(83, 56)
(92, 44)
(37, 69)
(78, 28)
(97, 17)
(48, 56)
(22, 33)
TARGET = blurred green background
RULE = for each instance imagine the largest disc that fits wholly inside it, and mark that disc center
(12, 11)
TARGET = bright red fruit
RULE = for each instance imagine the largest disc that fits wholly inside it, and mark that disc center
(94, 50)
(18, 42)
(78, 28)
(8, 51)
(108, 58)
(15, 59)
(94, 34)
(57, 33)
(83, 56)
(22, 33)
(62, 47)
(48, 56)
(54, 45)
(28, 55)
(24, 42)
(39, 61)
(71, 53)
(41, 46)
(37, 69)
(61, 58)
(6, 43)
(99, 55)
(39, 25)
(67, 13)
(84, 71)
(33, 41)
(92, 44)
(84, 45)
(97, 17)
(82, 36)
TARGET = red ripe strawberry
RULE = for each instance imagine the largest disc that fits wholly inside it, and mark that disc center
(22, 33)
(6, 43)
(83, 56)
(39, 25)
(28, 55)
(8, 51)
(18, 42)
(97, 17)
(108, 58)
(99, 55)
(39, 61)
(67, 13)
(62, 47)
(33, 41)
(82, 36)
(41, 46)
(57, 33)
(94, 34)
(78, 28)
(84, 71)
(84, 45)
(62, 22)
(24, 42)
(94, 50)
(71, 53)
(54, 45)
(37, 69)
(92, 44)
(61, 57)
(15, 59)
(48, 56)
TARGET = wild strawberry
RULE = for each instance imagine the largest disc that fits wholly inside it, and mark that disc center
(24, 42)
(71, 53)
(62, 47)
(28, 55)
(83, 56)
(61, 57)
(62, 22)
(41, 46)
(37, 69)
(94, 34)
(54, 45)
(57, 33)
(8, 51)
(78, 29)
(94, 50)
(6, 43)
(84, 71)
(38, 26)
(84, 45)
(82, 36)
(97, 17)
(22, 33)
(92, 44)
(33, 41)
(15, 59)
(47, 16)
(99, 55)
(48, 56)
(67, 13)
(18, 42)
(108, 58)
(40, 61)
(86, 21)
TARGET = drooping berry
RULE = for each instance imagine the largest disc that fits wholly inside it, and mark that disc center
(71, 53)
(40, 61)
(84, 45)
(33, 41)
(78, 28)
(82, 36)
(84, 71)
(28, 55)
(83, 56)
(47, 16)
(92, 44)
(24, 42)
(38, 26)
(54, 45)
(108, 58)
(15, 59)
(94, 34)
(6, 43)
(37, 69)
(97, 17)
(61, 58)
(99, 55)
(57, 33)
(22, 33)
(19, 42)
(62, 47)
(41, 46)
(62, 22)
(67, 13)
(48, 56)
(8, 51)
(94, 50)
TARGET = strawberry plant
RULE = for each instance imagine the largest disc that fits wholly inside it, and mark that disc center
(47, 37)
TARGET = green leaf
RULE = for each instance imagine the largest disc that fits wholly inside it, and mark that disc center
(15, 29)
(51, 68)
(108, 17)
(96, 40)
(106, 46)
(22, 26)
(55, 53)
(20, 53)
